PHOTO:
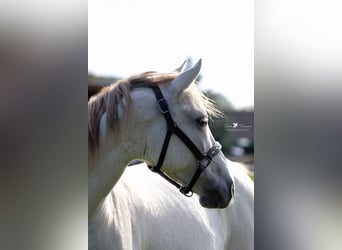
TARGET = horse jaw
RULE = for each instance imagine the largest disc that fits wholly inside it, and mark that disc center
(183, 80)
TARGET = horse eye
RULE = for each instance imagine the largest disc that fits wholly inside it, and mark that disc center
(202, 121)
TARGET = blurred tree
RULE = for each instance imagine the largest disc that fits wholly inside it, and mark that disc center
(221, 102)
(96, 83)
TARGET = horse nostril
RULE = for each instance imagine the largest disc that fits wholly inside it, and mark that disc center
(232, 189)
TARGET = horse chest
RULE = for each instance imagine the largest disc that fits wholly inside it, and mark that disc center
(142, 226)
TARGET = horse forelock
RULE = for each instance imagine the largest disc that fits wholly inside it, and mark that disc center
(206, 104)
(114, 98)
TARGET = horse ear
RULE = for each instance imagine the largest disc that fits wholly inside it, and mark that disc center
(181, 68)
(184, 79)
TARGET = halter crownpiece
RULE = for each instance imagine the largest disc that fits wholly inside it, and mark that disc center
(203, 161)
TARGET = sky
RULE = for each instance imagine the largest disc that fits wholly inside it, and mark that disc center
(130, 36)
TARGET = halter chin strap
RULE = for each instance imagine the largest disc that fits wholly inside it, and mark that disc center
(203, 161)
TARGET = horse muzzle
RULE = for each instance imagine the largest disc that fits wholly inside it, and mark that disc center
(217, 197)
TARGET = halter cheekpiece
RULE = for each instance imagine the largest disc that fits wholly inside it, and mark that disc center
(203, 161)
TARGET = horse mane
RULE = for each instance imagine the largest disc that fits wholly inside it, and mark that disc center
(115, 100)
(117, 97)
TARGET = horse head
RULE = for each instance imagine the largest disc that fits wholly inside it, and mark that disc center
(173, 114)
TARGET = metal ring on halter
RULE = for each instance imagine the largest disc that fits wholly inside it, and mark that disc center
(188, 193)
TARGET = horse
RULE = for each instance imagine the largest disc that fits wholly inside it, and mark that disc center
(127, 121)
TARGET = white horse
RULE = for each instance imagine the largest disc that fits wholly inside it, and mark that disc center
(145, 212)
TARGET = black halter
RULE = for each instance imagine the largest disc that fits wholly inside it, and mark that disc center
(203, 161)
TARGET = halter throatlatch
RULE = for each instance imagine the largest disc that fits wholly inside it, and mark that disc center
(203, 161)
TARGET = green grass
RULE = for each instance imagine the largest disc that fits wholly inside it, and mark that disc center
(252, 177)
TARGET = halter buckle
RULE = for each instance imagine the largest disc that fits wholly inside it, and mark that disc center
(204, 162)
(163, 106)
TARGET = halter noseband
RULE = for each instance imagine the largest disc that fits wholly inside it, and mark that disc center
(203, 161)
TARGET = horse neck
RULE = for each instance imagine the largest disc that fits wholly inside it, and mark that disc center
(105, 174)
(109, 165)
